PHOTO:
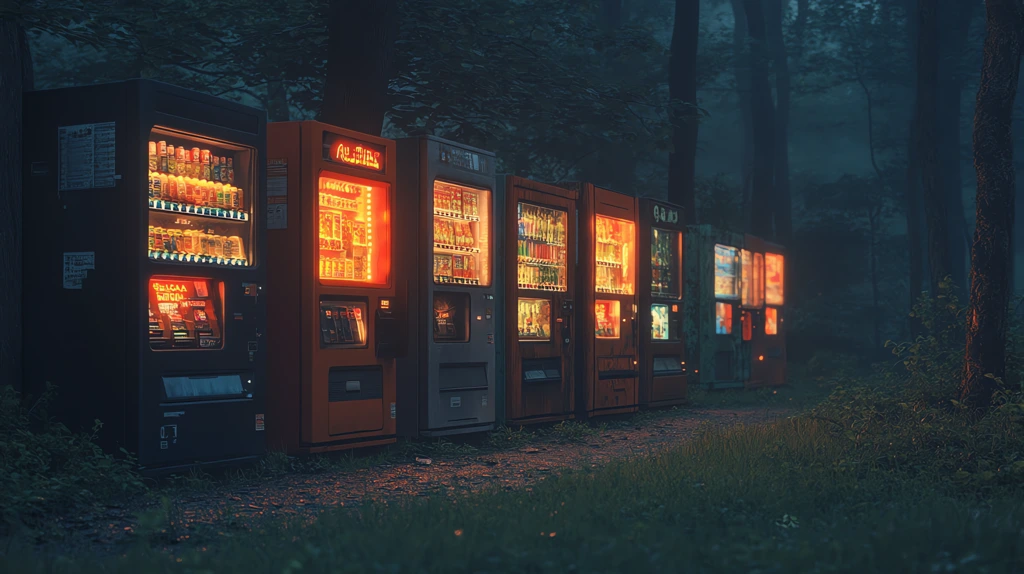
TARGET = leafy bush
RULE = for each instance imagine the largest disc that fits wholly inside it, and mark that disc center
(45, 467)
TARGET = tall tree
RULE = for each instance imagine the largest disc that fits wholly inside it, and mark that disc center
(780, 61)
(934, 203)
(682, 91)
(993, 162)
(13, 69)
(762, 199)
(741, 68)
(360, 58)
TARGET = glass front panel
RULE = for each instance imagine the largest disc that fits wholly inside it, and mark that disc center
(747, 325)
(773, 264)
(665, 263)
(462, 227)
(342, 323)
(659, 322)
(451, 317)
(542, 251)
(727, 261)
(723, 318)
(771, 321)
(198, 387)
(614, 255)
(607, 319)
(534, 319)
(200, 200)
(185, 313)
(353, 230)
(752, 279)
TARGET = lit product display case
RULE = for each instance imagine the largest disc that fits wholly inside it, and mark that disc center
(663, 374)
(144, 233)
(717, 321)
(607, 349)
(335, 329)
(536, 354)
(447, 380)
(763, 293)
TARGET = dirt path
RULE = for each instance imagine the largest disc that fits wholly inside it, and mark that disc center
(301, 497)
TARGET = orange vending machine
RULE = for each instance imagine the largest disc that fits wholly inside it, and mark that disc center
(766, 336)
(662, 345)
(539, 291)
(607, 295)
(334, 303)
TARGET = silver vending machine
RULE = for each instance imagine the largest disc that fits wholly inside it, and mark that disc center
(446, 384)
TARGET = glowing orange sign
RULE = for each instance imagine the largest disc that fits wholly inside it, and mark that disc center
(170, 291)
(350, 152)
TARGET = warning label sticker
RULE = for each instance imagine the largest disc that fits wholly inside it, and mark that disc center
(277, 194)
(259, 422)
(76, 267)
(86, 156)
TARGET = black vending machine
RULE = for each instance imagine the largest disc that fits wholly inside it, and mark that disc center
(144, 259)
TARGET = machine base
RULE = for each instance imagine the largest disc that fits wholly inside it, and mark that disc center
(460, 430)
(345, 445)
(664, 404)
(539, 420)
(158, 471)
(615, 411)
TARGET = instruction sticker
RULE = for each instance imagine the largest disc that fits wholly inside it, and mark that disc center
(77, 266)
(259, 422)
(86, 156)
(277, 194)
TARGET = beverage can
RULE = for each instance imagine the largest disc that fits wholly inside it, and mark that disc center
(165, 192)
(236, 197)
(223, 168)
(231, 170)
(190, 191)
(207, 165)
(158, 239)
(180, 161)
(161, 152)
(157, 190)
(172, 161)
(216, 168)
(152, 176)
(218, 190)
(195, 169)
(154, 163)
(152, 238)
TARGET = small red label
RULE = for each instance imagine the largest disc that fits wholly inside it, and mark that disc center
(259, 422)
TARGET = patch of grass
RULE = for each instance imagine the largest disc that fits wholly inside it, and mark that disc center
(802, 393)
(508, 438)
(576, 431)
(446, 447)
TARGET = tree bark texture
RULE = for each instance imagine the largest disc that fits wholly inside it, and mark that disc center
(12, 70)
(762, 199)
(934, 202)
(741, 59)
(776, 41)
(912, 202)
(993, 162)
(682, 91)
(360, 60)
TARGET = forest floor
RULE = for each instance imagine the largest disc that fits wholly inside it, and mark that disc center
(198, 509)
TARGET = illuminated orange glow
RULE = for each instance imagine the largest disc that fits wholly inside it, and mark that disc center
(774, 270)
(347, 230)
(385, 303)
(354, 153)
(614, 253)
(723, 318)
(184, 313)
(760, 358)
(606, 319)
(771, 321)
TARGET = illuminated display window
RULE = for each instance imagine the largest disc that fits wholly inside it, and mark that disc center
(354, 233)
(534, 319)
(614, 255)
(727, 262)
(665, 263)
(342, 323)
(185, 313)
(771, 321)
(462, 221)
(541, 247)
(200, 209)
(752, 279)
(606, 319)
(747, 325)
(723, 318)
(659, 322)
(451, 317)
(774, 270)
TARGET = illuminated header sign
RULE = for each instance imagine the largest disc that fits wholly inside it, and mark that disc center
(176, 291)
(465, 159)
(667, 215)
(338, 149)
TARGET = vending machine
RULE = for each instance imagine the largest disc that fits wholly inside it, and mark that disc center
(607, 348)
(716, 319)
(144, 242)
(334, 318)
(662, 343)
(767, 338)
(447, 381)
(537, 353)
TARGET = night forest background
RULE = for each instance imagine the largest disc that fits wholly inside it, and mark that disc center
(586, 91)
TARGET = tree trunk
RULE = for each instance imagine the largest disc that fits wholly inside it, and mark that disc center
(912, 199)
(954, 15)
(682, 91)
(741, 60)
(12, 72)
(993, 161)
(874, 214)
(278, 109)
(934, 202)
(763, 122)
(782, 202)
(360, 58)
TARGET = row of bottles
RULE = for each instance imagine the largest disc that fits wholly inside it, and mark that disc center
(454, 233)
(614, 240)
(456, 200)
(192, 191)
(543, 278)
(663, 262)
(541, 225)
(531, 250)
(612, 280)
(189, 244)
(195, 163)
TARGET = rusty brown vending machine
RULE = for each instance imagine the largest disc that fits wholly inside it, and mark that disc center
(607, 350)
(662, 343)
(334, 302)
(539, 290)
(764, 318)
